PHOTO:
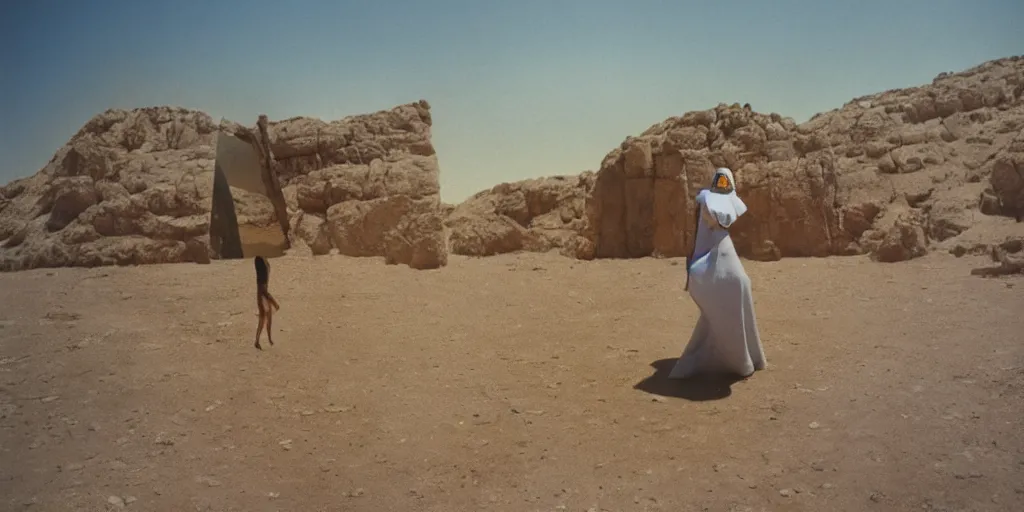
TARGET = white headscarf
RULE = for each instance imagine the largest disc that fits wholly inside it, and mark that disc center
(726, 207)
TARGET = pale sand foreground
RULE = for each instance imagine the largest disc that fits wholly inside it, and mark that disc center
(507, 383)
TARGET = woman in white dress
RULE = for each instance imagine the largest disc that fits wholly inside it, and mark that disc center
(725, 339)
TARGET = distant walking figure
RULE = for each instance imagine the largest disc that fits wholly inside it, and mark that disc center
(264, 300)
(725, 339)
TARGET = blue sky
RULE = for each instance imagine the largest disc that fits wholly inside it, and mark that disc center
(518, 88)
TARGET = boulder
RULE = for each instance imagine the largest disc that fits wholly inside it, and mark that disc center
(902, 241)
(403, 230)
(130, 187)
(1007, 184)
(536, 215)
(139, 186)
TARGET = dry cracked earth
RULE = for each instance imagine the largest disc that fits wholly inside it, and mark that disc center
(513, 383)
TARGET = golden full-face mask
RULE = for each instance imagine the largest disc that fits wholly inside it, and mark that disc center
(722, 184)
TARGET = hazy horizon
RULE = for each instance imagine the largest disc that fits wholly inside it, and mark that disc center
(517, 90)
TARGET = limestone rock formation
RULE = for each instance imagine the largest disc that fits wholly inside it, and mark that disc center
(893, 174)
(1006, 183)
(366, 185)
(131, 187)
(135, 187)
(886, 174)
(535, 215)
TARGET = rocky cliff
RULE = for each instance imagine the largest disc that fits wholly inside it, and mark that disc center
(134, 187)
(893, 174)
(533, 215)
(366, 185)
(130, 187)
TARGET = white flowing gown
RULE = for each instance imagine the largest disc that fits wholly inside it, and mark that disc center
(725, 339)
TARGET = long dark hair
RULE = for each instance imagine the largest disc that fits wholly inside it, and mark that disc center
(262, 270)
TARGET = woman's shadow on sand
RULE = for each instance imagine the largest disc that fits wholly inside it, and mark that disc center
(696, 389)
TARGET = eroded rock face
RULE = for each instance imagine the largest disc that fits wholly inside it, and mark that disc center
(366, 185)
(66, 199)
(131, 187)
(533, 215)
(134, 187)
(1007, 180)
(892, 174)
(824, 187)
(403, 229)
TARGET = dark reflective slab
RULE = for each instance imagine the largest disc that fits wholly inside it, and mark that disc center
(244, 222)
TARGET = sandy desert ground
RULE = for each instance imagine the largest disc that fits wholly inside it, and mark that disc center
(520, 382)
